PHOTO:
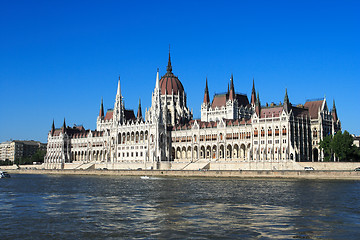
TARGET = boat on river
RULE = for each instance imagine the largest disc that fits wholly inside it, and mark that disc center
(4, 174)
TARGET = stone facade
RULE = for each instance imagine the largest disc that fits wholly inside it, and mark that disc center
(231, 129)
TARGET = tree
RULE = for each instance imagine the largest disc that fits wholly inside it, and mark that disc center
(340, 147)
(36, 157)
(325, 145)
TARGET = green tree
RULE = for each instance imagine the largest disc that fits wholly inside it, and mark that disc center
(38, 156)
(325, 145)
(341, 147)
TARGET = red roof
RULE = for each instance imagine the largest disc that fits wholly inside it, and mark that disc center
(220, 100)
(314, 107)
(271, 111)
(109, 115)
(212, 124)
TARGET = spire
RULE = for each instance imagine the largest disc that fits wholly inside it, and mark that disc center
(53, 128)
(253, 94)
(157, 79)
(118, 114)
(139, 114)
(101, 113)
(169, 67)
(287, 105)
(118, 88)
(206, 94)
(64, 127)
(286, 98)
(232, 90)
(333, 112)
(258, 105)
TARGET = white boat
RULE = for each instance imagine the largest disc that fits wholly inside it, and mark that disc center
(145, 177)
(4, 174)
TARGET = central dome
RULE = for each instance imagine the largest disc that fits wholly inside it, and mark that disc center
(169, 83)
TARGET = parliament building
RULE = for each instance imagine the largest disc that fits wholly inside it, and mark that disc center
(233, 130)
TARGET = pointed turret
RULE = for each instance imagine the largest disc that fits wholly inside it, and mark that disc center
(333, 112)
(206, 94)
(118, 115)
(287, 105)
(101, 113)
(232, 89)
(63, 128)
(169, 67)
(52, 128)
(118, 88)
(139, 113)
(253, 94)
(258, 105)
(157, 84)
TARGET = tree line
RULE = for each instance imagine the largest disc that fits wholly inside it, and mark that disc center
(340, 147)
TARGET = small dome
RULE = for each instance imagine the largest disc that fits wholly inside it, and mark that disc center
(169, 83)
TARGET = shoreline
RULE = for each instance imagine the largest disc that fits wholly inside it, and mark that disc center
(274, 174)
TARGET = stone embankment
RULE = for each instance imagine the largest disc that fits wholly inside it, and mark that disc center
(298, 174)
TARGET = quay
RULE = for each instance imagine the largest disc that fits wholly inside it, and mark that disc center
(279, 174)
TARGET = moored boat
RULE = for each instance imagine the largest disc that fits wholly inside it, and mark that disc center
(4, 174)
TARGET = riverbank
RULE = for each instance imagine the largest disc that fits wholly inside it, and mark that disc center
(344, 175)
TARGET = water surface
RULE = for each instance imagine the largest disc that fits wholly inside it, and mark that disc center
(115, 207)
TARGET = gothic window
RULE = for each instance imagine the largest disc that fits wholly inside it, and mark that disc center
(277, 132)
(315, 133)
(256, 132)
(262, 132)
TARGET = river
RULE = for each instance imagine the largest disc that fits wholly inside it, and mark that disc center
(115, 207)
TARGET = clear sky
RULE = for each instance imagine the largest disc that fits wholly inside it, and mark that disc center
(58, 58)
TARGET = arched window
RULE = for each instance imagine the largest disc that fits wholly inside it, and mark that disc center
(119, 138)
(284, 131)
(262, 132)
(315, 133)
(256, 133)
(269, 132)
(277, 132)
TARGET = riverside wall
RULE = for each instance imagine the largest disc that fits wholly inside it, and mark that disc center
(295, 174)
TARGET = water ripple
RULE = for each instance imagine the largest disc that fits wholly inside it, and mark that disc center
(112, 207)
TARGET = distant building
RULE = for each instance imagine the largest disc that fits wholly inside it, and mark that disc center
(231, 129)
(357, 141)
(5, 152)
(17, 149)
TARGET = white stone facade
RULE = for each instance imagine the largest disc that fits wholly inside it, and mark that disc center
(231, 129)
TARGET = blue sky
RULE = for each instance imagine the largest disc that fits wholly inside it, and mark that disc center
(58, 58)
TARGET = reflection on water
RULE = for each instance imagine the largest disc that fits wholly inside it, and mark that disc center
(97, 207)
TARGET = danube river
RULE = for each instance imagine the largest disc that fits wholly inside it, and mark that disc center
(115, 207)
